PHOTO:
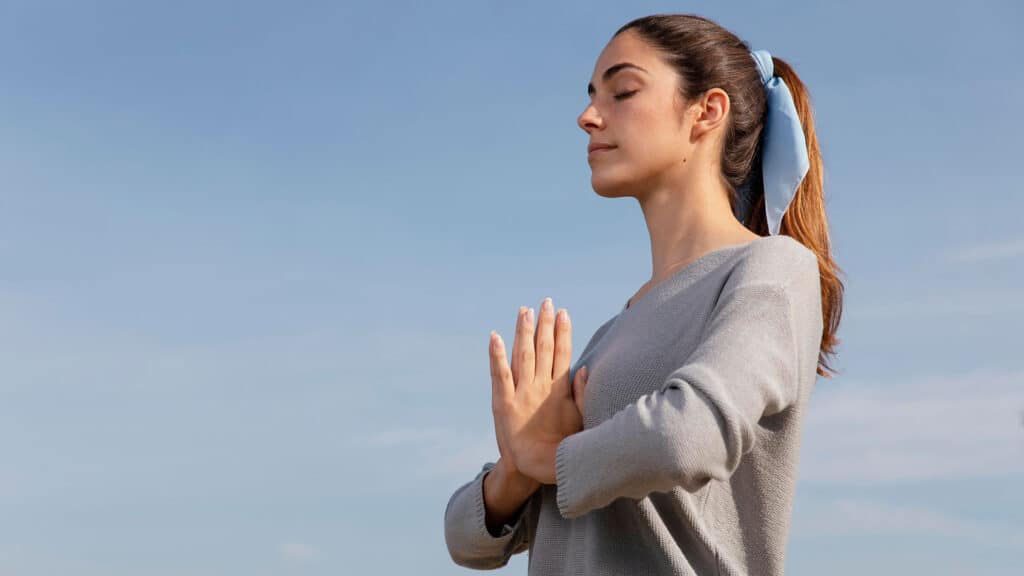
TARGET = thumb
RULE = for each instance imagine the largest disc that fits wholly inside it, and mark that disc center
(579, 383)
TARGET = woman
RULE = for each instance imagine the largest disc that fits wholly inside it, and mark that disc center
(675, 448)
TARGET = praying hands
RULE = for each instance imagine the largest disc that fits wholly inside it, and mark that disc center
(533, 404)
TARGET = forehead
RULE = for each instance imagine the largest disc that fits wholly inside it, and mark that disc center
(627, 47)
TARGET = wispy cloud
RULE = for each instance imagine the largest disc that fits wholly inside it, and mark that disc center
(435, 451)
(407, 436)
(297, 551)
(930, 304)
(1013, 248)
(940, 427)
(464, 456)
(849, 516)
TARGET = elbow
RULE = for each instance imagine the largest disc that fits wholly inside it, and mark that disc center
(685, 471)
(696, 463)
(691, 482)
(708, 445)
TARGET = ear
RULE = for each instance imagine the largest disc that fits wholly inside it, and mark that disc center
(709, 113)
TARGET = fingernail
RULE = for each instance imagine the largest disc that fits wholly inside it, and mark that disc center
(547, 303)
(529, 315)
(562, 315)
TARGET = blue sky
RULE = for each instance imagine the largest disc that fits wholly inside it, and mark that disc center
(251, 258)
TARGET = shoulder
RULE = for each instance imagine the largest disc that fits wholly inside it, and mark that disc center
(776, 260)
(776, 274)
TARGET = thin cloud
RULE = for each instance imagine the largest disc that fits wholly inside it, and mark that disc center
(404, 436)
(297, 551)
(984, 252)
(437, 452)
(928, 428)
(464, 456)
(861, 516)
(931, 304)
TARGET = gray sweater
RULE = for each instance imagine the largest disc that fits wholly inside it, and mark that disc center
(687, 461)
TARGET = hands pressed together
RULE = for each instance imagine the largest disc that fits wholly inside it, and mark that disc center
(534, 405)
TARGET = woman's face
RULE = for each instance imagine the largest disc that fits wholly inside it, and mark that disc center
(640, 113)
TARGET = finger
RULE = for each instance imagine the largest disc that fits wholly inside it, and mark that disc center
(518, 343)
(524, 350)
(545, 341)
(520, 320)
(579, 384)
(502, 387)
(563, 353)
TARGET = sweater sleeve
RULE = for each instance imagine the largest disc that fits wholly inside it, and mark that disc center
(703, 419)
(470, 543)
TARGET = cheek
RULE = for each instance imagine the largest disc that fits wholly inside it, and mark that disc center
(654, 140)
(648, 120)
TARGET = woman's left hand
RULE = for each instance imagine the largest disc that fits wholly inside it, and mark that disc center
(532, 400)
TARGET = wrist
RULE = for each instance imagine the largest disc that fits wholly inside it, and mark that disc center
(510, 478)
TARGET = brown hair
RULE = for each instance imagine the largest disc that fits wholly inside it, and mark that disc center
(706, 56)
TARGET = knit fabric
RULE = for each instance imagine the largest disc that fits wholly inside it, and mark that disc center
(692, 415)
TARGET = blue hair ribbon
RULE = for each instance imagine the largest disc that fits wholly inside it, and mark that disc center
(784, 161)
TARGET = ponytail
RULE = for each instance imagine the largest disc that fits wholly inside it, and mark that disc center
(805, 219)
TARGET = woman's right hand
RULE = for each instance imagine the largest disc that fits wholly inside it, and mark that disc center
(506, 465)
(533, 404)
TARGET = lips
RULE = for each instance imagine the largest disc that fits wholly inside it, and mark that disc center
(595, 148)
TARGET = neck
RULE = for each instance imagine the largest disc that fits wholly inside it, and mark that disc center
(686, 220)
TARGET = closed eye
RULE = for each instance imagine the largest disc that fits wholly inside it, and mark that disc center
(624, 95)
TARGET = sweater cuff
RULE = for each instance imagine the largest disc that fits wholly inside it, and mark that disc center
(565, 467)
(480, 520)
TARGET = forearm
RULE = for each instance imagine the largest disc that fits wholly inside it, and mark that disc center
(665, 439)
(470, 542)
(505, 493)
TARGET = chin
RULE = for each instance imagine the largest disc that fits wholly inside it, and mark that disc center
(610, 183)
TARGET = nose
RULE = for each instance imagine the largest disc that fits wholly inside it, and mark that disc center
(589, 119)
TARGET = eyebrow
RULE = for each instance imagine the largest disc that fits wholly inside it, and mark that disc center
(611, 72)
